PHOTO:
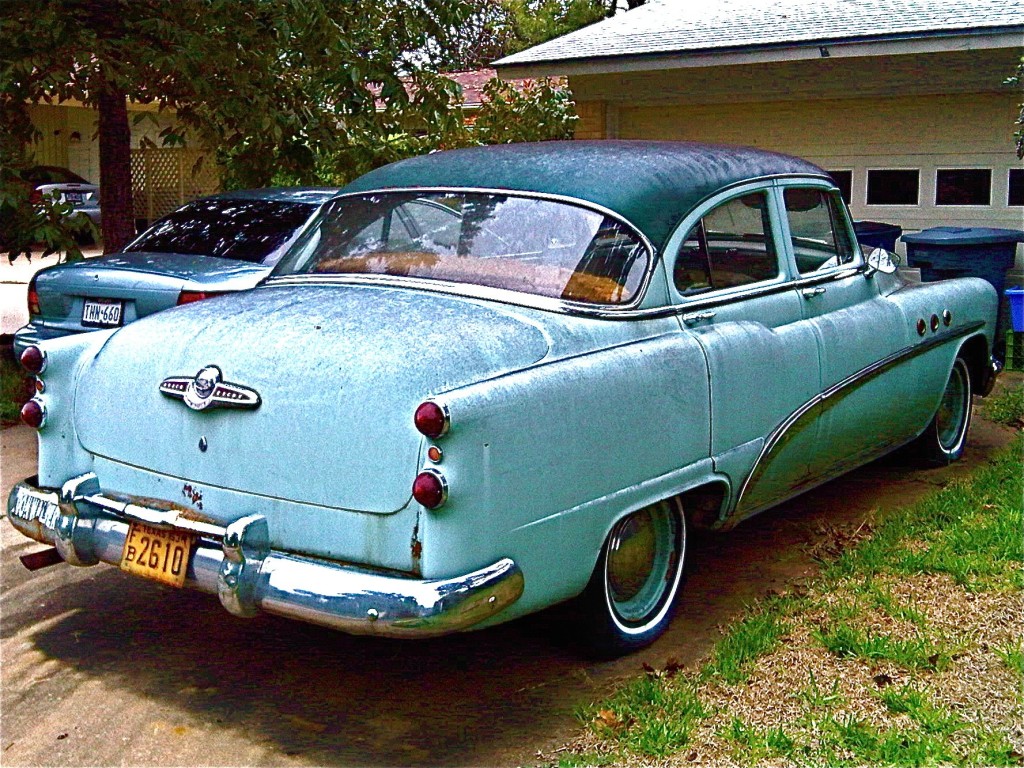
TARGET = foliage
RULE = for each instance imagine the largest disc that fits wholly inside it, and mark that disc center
(497, 28)
(538, 110)
(1017, 80)
(1006, 407)
(25, 223)
(273, 84)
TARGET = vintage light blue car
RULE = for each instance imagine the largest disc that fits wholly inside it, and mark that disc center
(220, 243)
(490, 380)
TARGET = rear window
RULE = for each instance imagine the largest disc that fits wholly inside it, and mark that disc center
(513, 242)
(247, 230)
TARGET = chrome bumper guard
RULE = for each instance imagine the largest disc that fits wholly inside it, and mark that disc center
(992, 372)
(237, 564)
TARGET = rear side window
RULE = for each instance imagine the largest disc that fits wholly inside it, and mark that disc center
(247, 230)
(730, 246)
(818, 230)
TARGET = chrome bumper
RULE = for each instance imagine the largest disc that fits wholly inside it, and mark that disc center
(237, 564)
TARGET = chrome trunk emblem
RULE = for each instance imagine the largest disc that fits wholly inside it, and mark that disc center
(207, 389)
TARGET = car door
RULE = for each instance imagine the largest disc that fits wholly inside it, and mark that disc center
(855, 327)
(735, 294)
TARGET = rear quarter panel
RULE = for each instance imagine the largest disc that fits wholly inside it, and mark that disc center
(540, 463)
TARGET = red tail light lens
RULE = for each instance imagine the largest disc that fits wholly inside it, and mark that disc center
(187, 297)
(431, 419)
(35, 197)
(34, 414)
(33, 298)
(430, 489)
(33, 360)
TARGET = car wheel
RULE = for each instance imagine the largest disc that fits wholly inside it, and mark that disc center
(631, 596)
(943, 441)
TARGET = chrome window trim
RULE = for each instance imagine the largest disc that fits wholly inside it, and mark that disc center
(503, 295)
(851, 233)
(781, 280)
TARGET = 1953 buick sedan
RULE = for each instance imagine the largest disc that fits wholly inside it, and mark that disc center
(490, 380)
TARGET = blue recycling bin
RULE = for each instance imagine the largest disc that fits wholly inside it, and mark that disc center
(944, 252)
(877, 234)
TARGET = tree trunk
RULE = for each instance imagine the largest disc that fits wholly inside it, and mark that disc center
(118, 219)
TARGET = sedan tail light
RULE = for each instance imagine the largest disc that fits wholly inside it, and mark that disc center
(33, 298)
(187, 297)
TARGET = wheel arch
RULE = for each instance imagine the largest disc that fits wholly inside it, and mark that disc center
(975, 353)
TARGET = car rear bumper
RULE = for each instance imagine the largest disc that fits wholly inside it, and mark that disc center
(237, 564)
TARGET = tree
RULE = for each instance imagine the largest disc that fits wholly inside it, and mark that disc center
(272, 84)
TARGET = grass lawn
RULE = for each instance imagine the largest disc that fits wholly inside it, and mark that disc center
(908, 649)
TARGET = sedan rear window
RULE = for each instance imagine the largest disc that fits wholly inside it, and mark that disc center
(247, 230)
(517, 243)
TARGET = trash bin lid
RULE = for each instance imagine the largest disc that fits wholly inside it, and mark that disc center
(964, 236)
(874, 227)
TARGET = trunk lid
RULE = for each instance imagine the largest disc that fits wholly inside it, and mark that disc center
(339, 370)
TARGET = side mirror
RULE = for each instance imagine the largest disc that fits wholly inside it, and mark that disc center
(881, 260)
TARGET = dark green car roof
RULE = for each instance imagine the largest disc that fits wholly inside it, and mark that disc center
(651, 184)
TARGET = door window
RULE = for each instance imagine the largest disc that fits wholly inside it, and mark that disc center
(730, 246)
(818, 229)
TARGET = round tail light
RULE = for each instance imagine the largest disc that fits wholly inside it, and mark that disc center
(431, 419)
(33, 360)
(430, 489)
(33, 413)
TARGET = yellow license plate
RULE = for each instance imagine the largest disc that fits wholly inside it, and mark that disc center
(157, 554)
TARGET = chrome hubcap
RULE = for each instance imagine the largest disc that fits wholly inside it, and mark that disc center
(641, 562)
(952, 411)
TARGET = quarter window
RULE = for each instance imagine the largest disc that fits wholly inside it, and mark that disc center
(818, 229)
(887, 187)
(963, 186)
(732, 245)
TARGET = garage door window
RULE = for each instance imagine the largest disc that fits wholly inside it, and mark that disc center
(893, 187)
(843, 180)
(963, 186)
(731, 246)
(1016, 195)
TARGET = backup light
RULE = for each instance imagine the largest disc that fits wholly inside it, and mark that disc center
(33, 413)
(430, 488)
(33, 360)
(431, 419)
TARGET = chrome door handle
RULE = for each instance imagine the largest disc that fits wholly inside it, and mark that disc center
(810, 293)
(698, 317)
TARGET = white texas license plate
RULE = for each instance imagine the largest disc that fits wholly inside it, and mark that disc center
(102, 312)
(73, 197)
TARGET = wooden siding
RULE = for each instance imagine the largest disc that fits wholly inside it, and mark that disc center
(926, 133)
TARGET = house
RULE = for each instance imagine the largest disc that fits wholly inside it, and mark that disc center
(904, 101)
(162, 177)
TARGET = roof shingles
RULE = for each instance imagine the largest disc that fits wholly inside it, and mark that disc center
(673, 26)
